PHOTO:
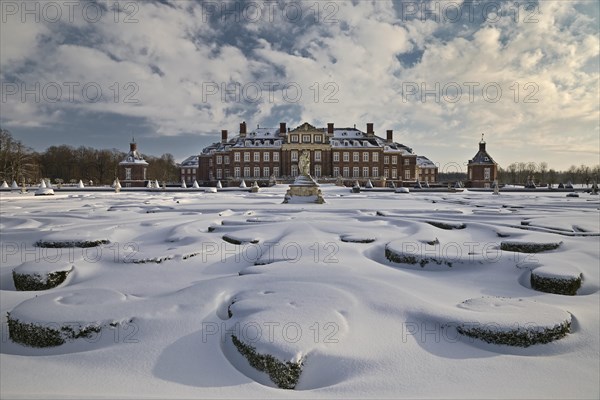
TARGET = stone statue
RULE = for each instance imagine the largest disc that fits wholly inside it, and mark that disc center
(304, 163)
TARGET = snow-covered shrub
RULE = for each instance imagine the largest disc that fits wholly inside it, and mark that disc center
(37, 335)
(556, 281)
(528, 247)
(284, 374)
(59, 244)
(521, 337)
(446, 225)
(38, 276)
(513, 321)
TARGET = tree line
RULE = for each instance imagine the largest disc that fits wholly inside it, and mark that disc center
(68, 164)
(520, 173)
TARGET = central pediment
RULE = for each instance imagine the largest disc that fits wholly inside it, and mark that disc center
(305, 127)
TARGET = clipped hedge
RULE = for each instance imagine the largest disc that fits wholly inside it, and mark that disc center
(231, 240)
(59, 244)
(446, 226)
(27, 282)
(555, 285)
(411, 259)
(284, 374)
(521, 337)
(528, 247)
(36, 335)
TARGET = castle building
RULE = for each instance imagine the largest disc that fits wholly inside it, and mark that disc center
(189, 168)
(132, 170)
(348, 153)
(482, 169)
(427, 171)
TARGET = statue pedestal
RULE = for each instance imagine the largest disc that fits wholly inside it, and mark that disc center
(304, 190)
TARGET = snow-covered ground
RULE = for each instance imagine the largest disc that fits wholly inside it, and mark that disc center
(167, 288)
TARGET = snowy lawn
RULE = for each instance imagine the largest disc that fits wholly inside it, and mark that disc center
(232, 294)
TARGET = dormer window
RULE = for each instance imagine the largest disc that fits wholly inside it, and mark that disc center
(486, 158)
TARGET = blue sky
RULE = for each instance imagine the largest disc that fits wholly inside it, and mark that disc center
(174, 73)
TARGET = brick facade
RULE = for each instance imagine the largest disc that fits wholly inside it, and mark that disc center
(132, 170)
(346, 152)
(482, 170)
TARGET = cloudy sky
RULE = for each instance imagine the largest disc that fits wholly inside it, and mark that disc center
(174, 73)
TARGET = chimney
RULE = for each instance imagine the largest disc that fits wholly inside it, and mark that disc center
(243, 129)
(390, 135)
(224, 136)
(370, 129)
(330, 128)
(282, 129)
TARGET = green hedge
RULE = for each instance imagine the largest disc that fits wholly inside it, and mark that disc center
(27, 282)
(284, 374)
(35, 335)
(526, 247)
(410, 259)
(545, 284)
(59, 244)
(517, 337)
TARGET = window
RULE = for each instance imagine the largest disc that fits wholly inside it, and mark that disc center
(247, 156)
(189, 171)
(336, 157)
(294, 170)
(486, 174)
(294, 138)
(227, 173)
(266, 156)
(394, 159)
(266, 171)
(318, 155)
(306, 138)
(346, 156)
(226, 160)
(336, 171)
(365, 172)
(127, 174)
(318, 138)
(386, 173)
(193, 172)
(355, 172)
(294, 155)
(219, 173)
(236, 156)
(406, 161)
(375, 170)
(375, 157)
(407, 174)
(276, 170)
(386, 159)
(257, 172)
(394, 173)
(275, 156)
(356, 156)
(210, 162)
(366, 156)
(219, 160)
(317, 170)
(144, 178)
(246, 172)
(346, 172)
(470, 174)
(256, 156)
(236, 172)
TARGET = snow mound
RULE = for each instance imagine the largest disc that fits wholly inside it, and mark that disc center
(282, 349)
